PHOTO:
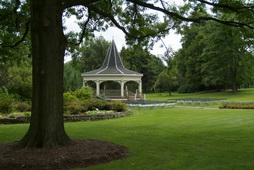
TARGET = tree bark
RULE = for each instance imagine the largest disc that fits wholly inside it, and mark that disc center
(48, 47)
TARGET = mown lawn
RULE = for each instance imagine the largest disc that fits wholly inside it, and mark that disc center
(243, 95)
(169, 138)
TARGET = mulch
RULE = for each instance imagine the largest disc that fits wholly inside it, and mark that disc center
(81, 153)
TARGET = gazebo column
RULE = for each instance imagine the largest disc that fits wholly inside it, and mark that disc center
(140, 86)
(84, 83)
(97, 87)
(122, 89)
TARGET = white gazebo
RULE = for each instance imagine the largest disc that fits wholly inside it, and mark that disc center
(113, 69)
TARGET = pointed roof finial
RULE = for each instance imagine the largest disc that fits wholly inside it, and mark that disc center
(112, 63)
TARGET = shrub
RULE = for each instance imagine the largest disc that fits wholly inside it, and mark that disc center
(22, 107)
(27, 114)
(234, 105)
(6, 102)
(84, 92)
(69, 96)
(118, 106)
(92, 104)
(73, 107)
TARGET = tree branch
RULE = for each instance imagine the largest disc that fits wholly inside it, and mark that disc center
(111, 17)
(71, 3)
(83, 30)
(14, 11)
(235, 9)
(22, 38)
(180, 17)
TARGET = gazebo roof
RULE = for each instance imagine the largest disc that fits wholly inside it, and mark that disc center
(112, 64)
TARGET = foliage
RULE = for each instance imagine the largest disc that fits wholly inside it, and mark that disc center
(101, 112)
(141, 60)
(237, 105)
(74, 107)
(22, 107)
(134, 18)
(91, 54)
(85, 92)
(189, 60)
(117, 106)
(72, 77)
(214, 57)
(168, 79)
(21, 80)
(81, 101)
(69, 96)
(224, 57)
(88, 57)
(74, 101)
(94, 104)
(98, 104)
(6, 101)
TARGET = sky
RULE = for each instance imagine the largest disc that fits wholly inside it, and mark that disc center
(172, 40)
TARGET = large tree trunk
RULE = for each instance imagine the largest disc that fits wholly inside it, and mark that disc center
(48, 47)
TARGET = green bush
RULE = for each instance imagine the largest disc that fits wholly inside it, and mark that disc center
(118, 106)
(22, 107)
(84, 92)
(93, 104)
(27, 114)
(69, 96)
(6, 102)
(74, 107)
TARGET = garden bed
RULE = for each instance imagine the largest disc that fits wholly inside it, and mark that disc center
(237, 105)
(69, 118)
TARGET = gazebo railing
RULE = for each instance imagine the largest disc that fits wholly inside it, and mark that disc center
(127, 94)
(140, 96)
(110, 93)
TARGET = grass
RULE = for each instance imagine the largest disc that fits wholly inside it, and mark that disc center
(169, 138)
(182, 138)
(243, 95)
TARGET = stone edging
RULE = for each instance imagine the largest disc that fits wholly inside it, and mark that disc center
(69, 118)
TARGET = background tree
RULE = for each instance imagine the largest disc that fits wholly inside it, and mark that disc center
(91, 54)
(141, 60)
(224, 57)
(21, 80)
(72, 77)
(49, 44)
(213, 57)
(189, 59)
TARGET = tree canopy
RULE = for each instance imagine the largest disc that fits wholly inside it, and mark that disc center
(143, 21)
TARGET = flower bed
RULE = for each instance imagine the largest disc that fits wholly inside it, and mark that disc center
(236, 105)
(70, 118)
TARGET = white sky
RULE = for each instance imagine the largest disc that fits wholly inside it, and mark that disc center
(172, 40)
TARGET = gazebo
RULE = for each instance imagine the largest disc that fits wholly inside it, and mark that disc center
(113, 69)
